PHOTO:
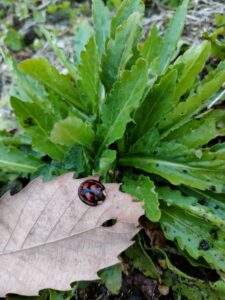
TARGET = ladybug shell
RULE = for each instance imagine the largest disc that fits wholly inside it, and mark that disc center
(92, 192)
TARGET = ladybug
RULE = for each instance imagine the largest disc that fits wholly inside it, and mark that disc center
(92, 192)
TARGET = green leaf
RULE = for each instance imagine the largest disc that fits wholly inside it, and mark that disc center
(192, 233)
(101, 20)
(199, 132)
(57, 295)
(144, 190)
(15, 161)
(193, 104)
(106, 161)
(82, 35)
(207, 206)
(151, 46)
(88, 84)
(193, 60)
(172, 36)
(141, 260)
(181, 165)
(38, 125)
(41, 70)
(122, 100)
(14, 40)
(195, 290)
(126, 9)
(156, 105)
(118, 52)
(13, 140)
(147, 143)
(61, 55)
(112, 278)
(72, 131)
(28, 87)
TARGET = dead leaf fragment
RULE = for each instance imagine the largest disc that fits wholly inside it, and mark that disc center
(49, 238)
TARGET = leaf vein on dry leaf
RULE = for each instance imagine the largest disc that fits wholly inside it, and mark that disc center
(17, 222)
(38, 218)
(59, 219)
(81, 217)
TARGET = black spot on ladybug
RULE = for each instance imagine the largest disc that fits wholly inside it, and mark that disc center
(28, 122)
(92, 192)
(203, 245)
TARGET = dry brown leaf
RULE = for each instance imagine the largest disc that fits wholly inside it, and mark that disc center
(49, 238)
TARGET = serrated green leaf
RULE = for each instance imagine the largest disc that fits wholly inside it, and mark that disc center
(72, 131)
(144, 190)
(207, 206)
(61, 55)
(141, 260)
(199, 132)
(30, 89)
(147, 143)
(192, 233)
(82, 35)
(101, 20)
(41, 70)
(15, 161)
(193, 60)
(151, 46)
(112, 278)
(172, 36)
(156, 105)
(120, 103)
(38, 125)
(106, 161)
(126, 9)
(88, 84)
(181, 165)
(195, 290)
(118, 52)
(193, 104)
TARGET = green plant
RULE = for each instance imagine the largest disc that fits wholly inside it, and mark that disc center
(140, 108)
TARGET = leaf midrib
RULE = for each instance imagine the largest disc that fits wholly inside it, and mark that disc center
(143, 124)
(163, 162)
(62, 239)
(9, 163)
(115, 120)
